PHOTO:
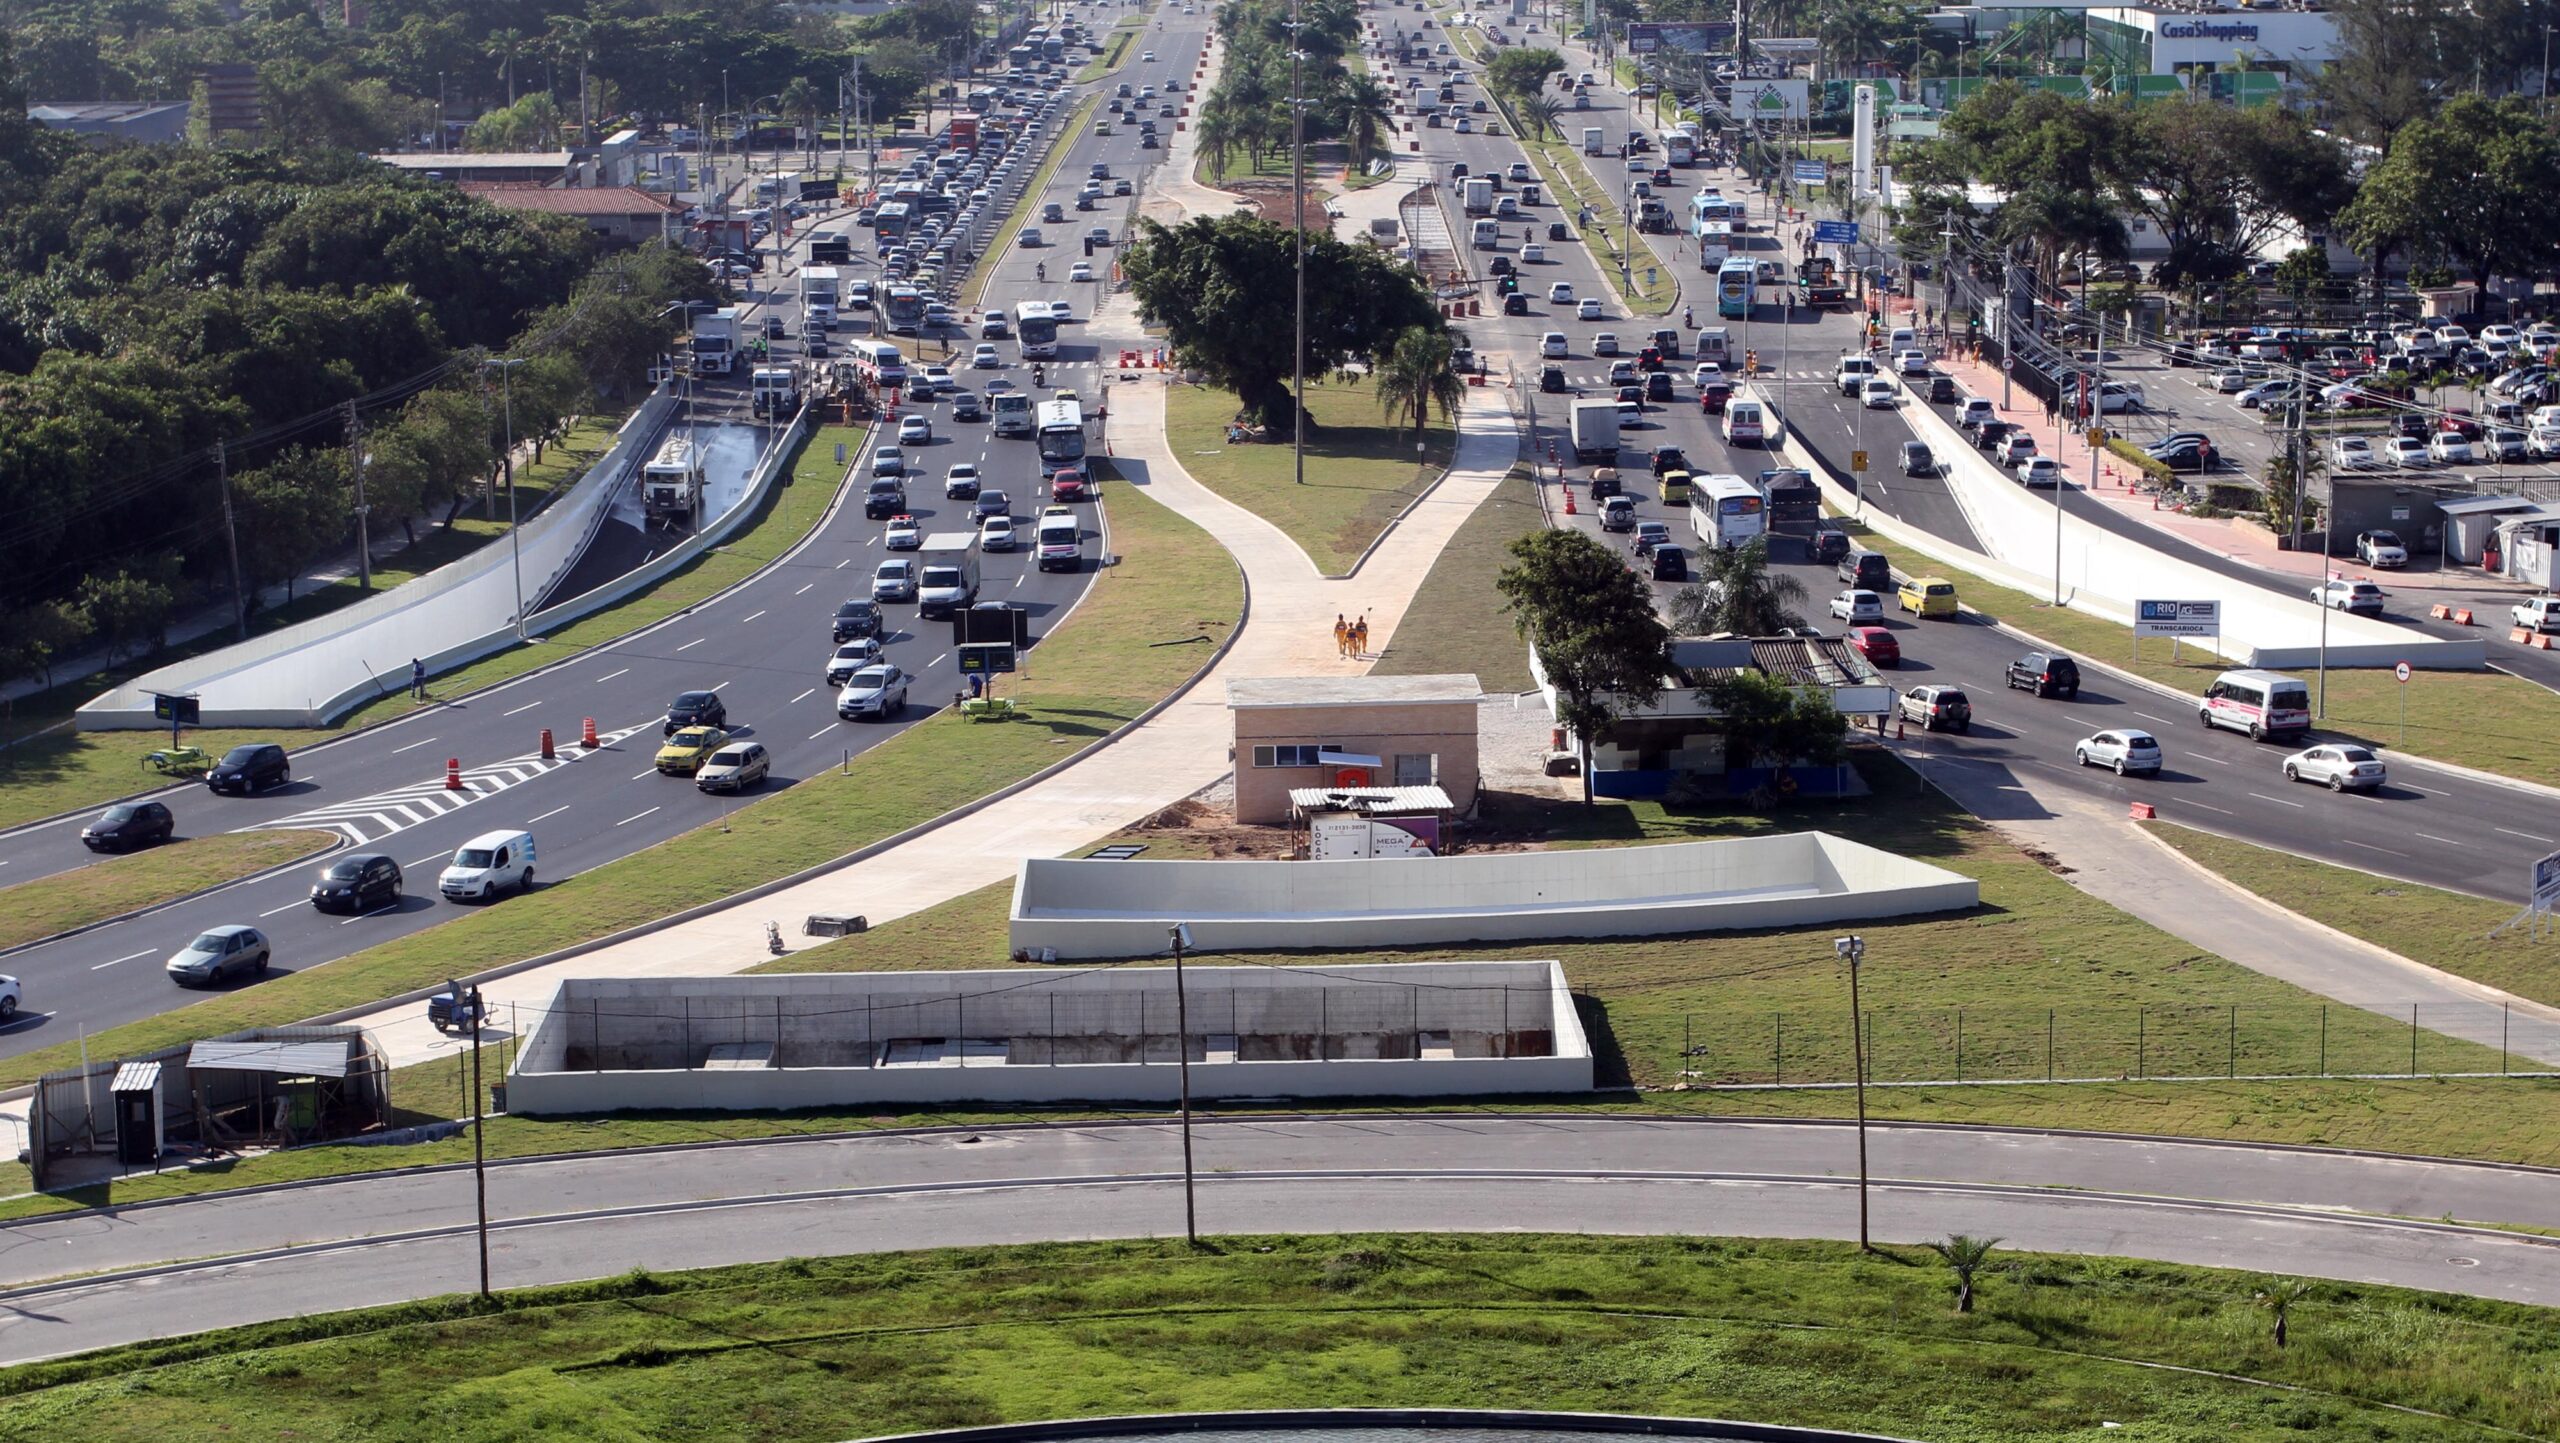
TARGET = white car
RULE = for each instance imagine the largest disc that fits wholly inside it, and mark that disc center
(2449, 449)
(878, 690)
(1879, 394)
(894, 580)
(2543, 442)
(903, 533)
(1588, 310)
(2123, 750)
(1148, 57)
(2233, 381)
(1059, 311)
(1552, 346)
(851, 657)
(995, 534)
(1560, 294)
(1623, 373)
(1858, 607)
(985, 359)
(2353, 453)
(1533, 254)
(2361, 598)
(9, 995)
(1707, 373)
(2406, 451)
(2339, 766)
(2381, 549)
(1911, 363)
(1080, 271)
(2040, 472)
(914, 431)
(961, 483)
(1605, 344)
(934, 381)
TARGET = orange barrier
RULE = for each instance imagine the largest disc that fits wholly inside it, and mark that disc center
(2144, 811)
(587, 733)
(547, 753)
(2462, 616)
(2440, 612)
(453, 774)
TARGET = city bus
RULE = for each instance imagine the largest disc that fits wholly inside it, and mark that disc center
(890, 221)
(1060, 436)
(903, 305)
(1736, 280)
(1679, 149)
(1726, 510)
(1715, 243)
(1037, 330)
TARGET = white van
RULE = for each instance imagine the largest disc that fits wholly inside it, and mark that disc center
(1715, 343)
(2262, 703)
(1746, 423)
(1903, 339)
(487, 865)
(1487, 235)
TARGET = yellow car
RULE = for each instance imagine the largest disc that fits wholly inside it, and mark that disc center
(1929, 596)
(687, 750)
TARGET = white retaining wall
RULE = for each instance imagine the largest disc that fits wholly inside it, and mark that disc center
(1084, 908)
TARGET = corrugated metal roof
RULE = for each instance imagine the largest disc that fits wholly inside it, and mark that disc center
(137, 1077)
(297, 1059)
(1370, 800)
(2473, 505)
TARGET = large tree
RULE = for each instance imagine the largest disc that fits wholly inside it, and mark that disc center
(2219, 181)
(1769, 723)
(1737, 592)
(1521, 71)
(1222, 287)
(1591, 623)
(2477, 183)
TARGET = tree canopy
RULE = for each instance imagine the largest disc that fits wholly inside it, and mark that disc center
(1591, 623)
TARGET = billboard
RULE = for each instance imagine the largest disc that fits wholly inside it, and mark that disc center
(1645, 37)
(2546, 881)
(1769, 99)
(1813, 172)
(2177, 618)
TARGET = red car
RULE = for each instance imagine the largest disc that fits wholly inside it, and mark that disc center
(1070, 485)
(1876, 644)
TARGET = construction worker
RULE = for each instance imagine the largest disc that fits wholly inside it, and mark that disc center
(1750, 363)
(1341, 636)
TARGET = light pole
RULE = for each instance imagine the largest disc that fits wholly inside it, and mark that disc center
(1180, 932)
(506, 368)
(479, 1151)
(1853, 950)
(1298, 202)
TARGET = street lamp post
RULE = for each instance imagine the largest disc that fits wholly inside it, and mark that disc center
(506, 368)
(1853, 950)
(1180, 932)
(1298, 201)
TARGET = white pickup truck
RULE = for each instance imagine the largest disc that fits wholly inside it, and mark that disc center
(2540, 614)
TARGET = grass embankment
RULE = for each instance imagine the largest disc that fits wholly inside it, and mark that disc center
(61, 769)
(1361, 468)
(1025, 207)
(1457, 622)
(1811, 1334)
(2445, 930)
(1115, 49)
(2482, 719)
(34, 910)
(1099, 670)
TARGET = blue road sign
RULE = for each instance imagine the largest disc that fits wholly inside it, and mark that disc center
(1835, 232)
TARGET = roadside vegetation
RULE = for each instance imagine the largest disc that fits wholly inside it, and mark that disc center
(1810, 1334)
(32, 911)
(1362, 469)
(1457, 621)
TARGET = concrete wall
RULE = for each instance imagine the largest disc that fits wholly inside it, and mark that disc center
(1446, 730)
(1121, 909)
(1051, 1035)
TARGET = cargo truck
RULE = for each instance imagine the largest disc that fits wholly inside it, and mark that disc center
(1593, 141)
(1476, 195)
(946, 573)
(821, 294)
(671, 484)
(715, 341)
(1595, 432)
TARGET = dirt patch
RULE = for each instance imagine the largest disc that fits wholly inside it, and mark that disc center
(1196, 828)
(1270, 200)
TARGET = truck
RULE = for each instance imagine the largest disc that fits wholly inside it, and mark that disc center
(1012, 413)
(821, 295)
(964, 132)
(1820, 277)
(715, 341)
(946, 573)
(671, 483)
(1594, 142)
(1595, 432)
(1476, 195)
(776, 391)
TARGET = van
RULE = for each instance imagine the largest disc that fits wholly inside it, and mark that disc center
(1746, 423)
(1715, 343)
(2262, 703)
(1865, 570)
(1060, 546)
(487, 865)
(1903, 338)
(1012, 411)
(1928, 596)
(1487, 235)
(887, 363)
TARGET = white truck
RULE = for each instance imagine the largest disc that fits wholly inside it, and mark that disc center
(1475, 195)
(946, 573)
(1012, 411)
(821, 296)
(776, 391)
(671, 483)
(715, 341)
(1594, 142)
(1595, 432)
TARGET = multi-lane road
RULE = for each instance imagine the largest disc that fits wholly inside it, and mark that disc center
(763, 646)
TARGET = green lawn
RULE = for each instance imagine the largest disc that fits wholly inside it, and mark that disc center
(1115, 48)
(62, 770)
(2483, 719)
(1361, 468)
(41, 908)
(1812, 1334)
(1457, 622)
(1172, 584)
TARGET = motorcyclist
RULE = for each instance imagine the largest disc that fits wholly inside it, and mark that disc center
(1040, 272)
(1689, 317)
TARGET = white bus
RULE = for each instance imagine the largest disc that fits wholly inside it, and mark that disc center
(1679, 149)
(1037, 330)
(1715, 243)
(1060, 436)
(1726, 510)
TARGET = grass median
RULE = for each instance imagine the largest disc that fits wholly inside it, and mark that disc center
(1362, 470)
(1020, 216)
(1458, 622)
(31, 911)
(51, 768)
(1812, 1334)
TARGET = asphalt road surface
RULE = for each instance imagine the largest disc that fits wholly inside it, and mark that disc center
(763, 646)
(387, 1238)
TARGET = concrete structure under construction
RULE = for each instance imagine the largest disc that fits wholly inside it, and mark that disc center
(1078, 908)
(1422, 1029)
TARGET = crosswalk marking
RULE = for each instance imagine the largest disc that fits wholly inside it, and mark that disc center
(385, 814)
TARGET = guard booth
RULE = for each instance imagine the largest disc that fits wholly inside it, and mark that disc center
(140, 1137)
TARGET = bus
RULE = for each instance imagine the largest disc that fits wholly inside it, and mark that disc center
(1037, 330)
(1060, 436)
(1726, 510)
(1736, 280)
(1053, 49)
(903, 305)
(890, 221)
(1679, 149)
(1019, 57)
(1715, 243)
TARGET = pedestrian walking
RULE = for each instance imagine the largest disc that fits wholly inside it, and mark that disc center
(1341, 636)
(417, 679)
(1360, 638)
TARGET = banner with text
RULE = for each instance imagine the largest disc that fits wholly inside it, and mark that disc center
(2177, 618)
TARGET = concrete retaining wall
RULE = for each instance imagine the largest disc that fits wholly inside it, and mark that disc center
(1120, 909)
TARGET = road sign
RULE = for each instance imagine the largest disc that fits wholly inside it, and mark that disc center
(2546, 881)
(986, 658)
(1813, 172)
(1857, 460)
(1835, 232)
(2177, 618)
(175, 710)
(2401, 671)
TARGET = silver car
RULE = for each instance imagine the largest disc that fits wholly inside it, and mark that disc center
(878, 691)
(851, 657)
(220, 954)
(2122, 750)
(734, 768)
(2341, 766)
(894, 581)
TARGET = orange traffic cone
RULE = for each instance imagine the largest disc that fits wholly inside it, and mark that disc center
(547, 753)
(587, 733)
(1569, 508)
(453, 774)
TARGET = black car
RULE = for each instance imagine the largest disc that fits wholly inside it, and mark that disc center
(1551, 380)
(1657, 386)
(1991, 434)
(991, 503)
(2185, 456)
(885, 499)
(1942, 390)
(249, 768)
(1604, 487)
(358, 883)
(695, 709)
(1667, 459)
(128, 825)
(1515, 304)
(1828, 543)
(1556, 231)
(2046, 673)
(857, 619)
(1670, 563)
(775, 328)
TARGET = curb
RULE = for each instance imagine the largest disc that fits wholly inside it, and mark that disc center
(1456, 434)
(338, 842)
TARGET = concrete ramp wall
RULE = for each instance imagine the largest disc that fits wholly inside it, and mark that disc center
(1080, 908)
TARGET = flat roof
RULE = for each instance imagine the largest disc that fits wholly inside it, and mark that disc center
(2471, 506)
(468, 160)
(1305, 691)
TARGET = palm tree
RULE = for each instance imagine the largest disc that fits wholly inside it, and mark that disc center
(1365, 110)
(1545, 113)
(1965, 1256)
(1414, 377)
(799, 101)
(1737, 593)
(2278, 1298)
(1217, 137)
(505, 46)
(1852, 31)
(573, 37)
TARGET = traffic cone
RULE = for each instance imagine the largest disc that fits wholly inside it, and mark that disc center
(587, 733)
(547, 753)
(1569, 508)
(453, 774)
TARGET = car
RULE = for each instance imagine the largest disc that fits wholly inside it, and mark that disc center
(984, 358)
(1605, 344)
(2232, 380)
(2186, 455)
(2269, 395)
(2358, 598)
(1552, 345)
(888, 461)
(2352, 453)
(933, 382)
(734, 768)
(1936, 708)
(1657, 386)
(965, 406)
(9, 995)
(249, 767)
(128, 825)
(1978, 412)
(775, 327)
(1532, 253)
(878, 691)
(1828, 543)
(1927, 596)
(894, 580)
(990, 503)
(1622, 373)
(1876, 644)
(1030, 238)
(903, 534)
(1515, 304)
(2504, 445)
(2046, 673)
(1080, 271)
(1560, 294)
(1911, 363)
(1650, 535)
(857, 618)
(2040, 472)
(1879, 394)
(687, 749)
(1588, 309)
(1551, 380)
(2449, 449)
(1147, 58)
(2381, 549)
(1060, 311)
(914, 431)
(358, 882)
(1852, 374)
(1917, 459)
(961, 484)
(2408, 452)
(995, 533)
(850, 657)
(1857, 607)
(219, 954)
(2014, 447)
(1942, 390)
(1069, 484)
(2339, 766)
(2121, 750)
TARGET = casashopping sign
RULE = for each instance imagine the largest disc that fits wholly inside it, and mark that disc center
(2209, 30)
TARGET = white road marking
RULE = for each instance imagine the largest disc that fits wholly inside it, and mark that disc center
(555, 811)
(528, 706)
(2386, 851)
(804, 696)
(2279, 801)
(287, 907)
(690, 645)
(413, 746)
(937, 661)
(2146, 716)
(841, 565)
(745, 619)
(635, 776)
(2528, 836)
(635, 816)
(376, 912)
(2432, 837)
(805, 588)
(2217, 761)
(422, 861)
(608, 676)
(822, 731)
(2217, 811)
(867, 541)
(723, 684)
(129, 956)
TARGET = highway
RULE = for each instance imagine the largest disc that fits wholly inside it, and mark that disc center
(158, 1270)
(763, 646)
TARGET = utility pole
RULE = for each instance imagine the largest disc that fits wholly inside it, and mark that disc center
(479, 1150)
(1181, 934)
(231, 537)
(1298, 198)
(1853, 950)
(507, 458)
(355, 462)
